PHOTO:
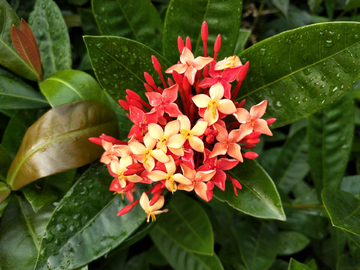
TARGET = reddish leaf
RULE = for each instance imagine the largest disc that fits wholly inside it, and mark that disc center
(29, 33)
(58, 141)
(25, 46)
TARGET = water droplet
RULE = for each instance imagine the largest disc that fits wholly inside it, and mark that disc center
(84, 191)
(105, 81)
(48, 236)
(99, 45)
(2, 90)
(116, 76)
(43, 149)
(307, 71)
(124, 48)
(263, 51)
(321, 103)
(95, 60)
(329, 43)
(61, 227)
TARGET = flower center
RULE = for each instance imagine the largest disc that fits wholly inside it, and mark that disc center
(185, 133)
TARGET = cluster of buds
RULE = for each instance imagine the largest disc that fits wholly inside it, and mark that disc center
(187, 143)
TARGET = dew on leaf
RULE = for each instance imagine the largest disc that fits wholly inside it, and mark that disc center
(329, 43)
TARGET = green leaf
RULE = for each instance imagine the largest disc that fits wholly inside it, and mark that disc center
(4, 191)
(312, 264)
(257, 241)
(137, 262)
(279, 265)
(351, 4)
(258, 196)
(66, 127)
(282, 5)
(314, 5)
(88, 22)
(138, 20)
(343, 209)
(20, 232)
(243, 36)
(180, 258)
(84, 225)
(115, 262)
(72, 85)
(295, 265)
(120, 64)
(19, 95)
(302, 70)
(291, 165)
(5, 162)
(52, 36)
(338, 239)
(188, 225)
(313, 226)
(155, 257)
(9, 57)
(184, 18)
(351, 184)
(16, 129)
(49, 189)
(3, 206)
(330, 133)
(290, 242)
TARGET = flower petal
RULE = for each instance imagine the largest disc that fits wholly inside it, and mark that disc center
(199, 128)
(201, 100)
(200, 189)
(124, 162)
(226, 106)
(234, 151)
(137, 148)
(159, 155)
(184, 122)
(134, 178)
(178, 177)
(170, 166)
(186, 55)
(144, 201)
(176, 141)
(170, 94)
(188, 172)
(216, 91)
(219, 149)
(155, 131)
(200, 62)
(197, 144)
(177, 152)
(156, 206)
(260, 125)
(149, 141)
(172, 110)
(172, 128)
(211, 115)
(179, 68)
(257, 111)
(204, 176)
(154, 98)
(222, 133)
(242, 115)
(157, 175)
(190, 74)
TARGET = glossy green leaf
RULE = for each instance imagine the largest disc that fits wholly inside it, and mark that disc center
(120, 64)
(184, 18)
(19, 95)
(313, 226)
(312, 264)
(20, 232)
(258, 196)
(243, 37)
(114, 262)
(155, 257)
(257, 241)
(351, 184)
(188, 225)
(52, 36)
(3, 206)
(343, 209)
(180, 258)
(84, 225)
(351, 4)
(330, 134)
(5, 162)
(47, 190)
(290, 242)
(282, 5)
(72, 85)
(295, 265)
(4, 191)
(291, 166)
(138, 20)
(17, 127)
(88, 22)
(9, 57)
(302, 70)
(279, 265)
(67, 127)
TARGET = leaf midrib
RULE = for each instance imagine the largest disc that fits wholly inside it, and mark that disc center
(23, 97)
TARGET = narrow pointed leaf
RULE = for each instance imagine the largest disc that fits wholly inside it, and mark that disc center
(66, 127)
(291, 242)
(188, 225)
(27, 49)
(47, 190)
(330, 135)
(52, 35)
(143, 25)
(9, 57)
(243, 36)
(5, 162)
(291, 165)
(19, 95)
(28, 32)
(257, 241)
(343, 209)
(72, 85)
(258, 196)
(302, 70)
(120, 64)
(84, 225)
(184, 18)
(282, 5)
(20, 233)
(295, 265)
(180, 258)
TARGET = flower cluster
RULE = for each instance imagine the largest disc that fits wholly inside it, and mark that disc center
(187, 143)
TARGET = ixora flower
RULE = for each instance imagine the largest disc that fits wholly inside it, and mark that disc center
(188, 134)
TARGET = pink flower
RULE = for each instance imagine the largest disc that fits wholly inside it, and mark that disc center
(141, 121)
(252, 120)
(189, 66)
(152, 210)
(112, 152)
(164, 102)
